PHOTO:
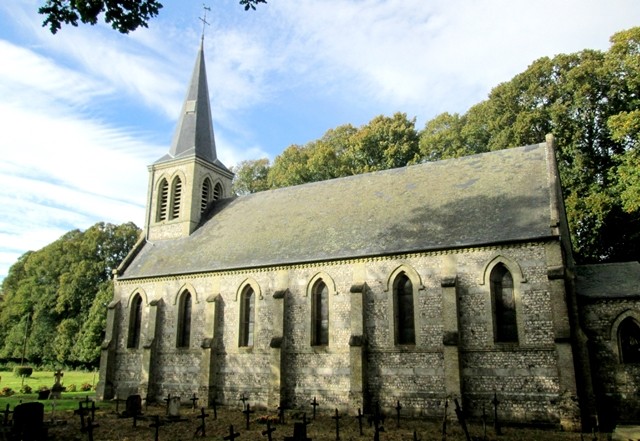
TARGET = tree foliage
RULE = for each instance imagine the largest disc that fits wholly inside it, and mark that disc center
(250, 176)
(57, 296)
(123, 15)
(589, 101)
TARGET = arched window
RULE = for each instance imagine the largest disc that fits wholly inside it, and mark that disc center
(176, 196)
(135, 322)
(405, 333)
(206, 194)
(184, 321)
(505, 325)
(163, 200)
(247, 316)
(217, 192)
(629, 341)
(320, 314)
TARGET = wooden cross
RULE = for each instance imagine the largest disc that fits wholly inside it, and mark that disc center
(243, 399)
(496, 423)
(337, 418)
(268, 431)
(444, 419)
(88, 429)
(168, 400)
(247, 412)
(93, 410)
(315, 404)
(378, 429)
(214, 404)
(398, 408)
(82, 412)
(156, 425)
(359, 418)
(232, 435)
(202, 427)
(6, 416)
(194, 401)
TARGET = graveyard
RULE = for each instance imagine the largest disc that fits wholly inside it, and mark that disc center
(178, 418)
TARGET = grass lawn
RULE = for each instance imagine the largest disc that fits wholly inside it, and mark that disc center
(45, 379)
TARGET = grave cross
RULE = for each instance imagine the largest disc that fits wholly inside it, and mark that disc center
(168, 400)
(359, 418)
(376, 434)
(201, 427)
(337, 418)
(88, 429)
(496, 423)
(156, 425)
(232, 435)
(398, 408)
(267, 432)
(247, 412)
(194, 401)
(6, 415)
(82, 412)
(444, 419)
(315, 404)
(214, 404)
(243, 399)
(461, 420)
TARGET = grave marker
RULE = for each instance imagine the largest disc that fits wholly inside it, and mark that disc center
(201, 427)
(247, 412)
(337, 418)
(194, 401)
(398, 408)
(315, 404)
(173, 408)
(156, 425)
(28, 422)
(88, 429)
(6, 413)
(267, 432)
(359, 418)
(299, 433)
(243, 399)
(232, 435)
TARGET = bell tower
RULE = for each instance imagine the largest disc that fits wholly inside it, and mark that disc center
(185, 181)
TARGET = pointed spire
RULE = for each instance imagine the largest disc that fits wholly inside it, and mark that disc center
(194, 132)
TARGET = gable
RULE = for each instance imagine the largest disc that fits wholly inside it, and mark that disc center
(497, 197)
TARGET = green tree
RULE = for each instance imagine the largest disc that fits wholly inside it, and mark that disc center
(251, 176)
(123, 15)
(589, 101)
(56, 294)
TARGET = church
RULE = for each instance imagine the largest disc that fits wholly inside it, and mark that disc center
(448, 279)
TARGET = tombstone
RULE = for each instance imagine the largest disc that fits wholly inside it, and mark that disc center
(133, 406)
(299, 433)
(28, 422)
(57, 388)
(173, 407)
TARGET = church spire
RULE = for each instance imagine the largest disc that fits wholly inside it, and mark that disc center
(194, 132)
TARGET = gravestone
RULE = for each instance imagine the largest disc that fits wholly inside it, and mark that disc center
(173, 407)
(57, 388)
(133, 406)
(299, 433)
(28, 422)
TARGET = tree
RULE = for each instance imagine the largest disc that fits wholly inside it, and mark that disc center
(123, 15)
(60, 293)
(589, 101)
(251, 176)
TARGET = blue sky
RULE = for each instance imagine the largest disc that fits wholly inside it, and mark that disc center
(83, 112)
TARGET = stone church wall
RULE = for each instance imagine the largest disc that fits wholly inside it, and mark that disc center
(525, 375)
(618, 386)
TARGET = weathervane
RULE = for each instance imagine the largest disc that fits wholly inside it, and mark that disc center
(204, 19)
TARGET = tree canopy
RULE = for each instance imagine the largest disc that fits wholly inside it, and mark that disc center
(123, 15)
(589, 100)
(57, 296)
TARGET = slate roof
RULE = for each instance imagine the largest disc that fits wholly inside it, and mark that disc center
(491, 198)
(608, 280)
(194, 131)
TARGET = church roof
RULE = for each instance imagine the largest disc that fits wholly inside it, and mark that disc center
(194, 131)
(497, 197)
(608, 280)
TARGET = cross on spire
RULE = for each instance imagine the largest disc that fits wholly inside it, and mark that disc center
(204, 19)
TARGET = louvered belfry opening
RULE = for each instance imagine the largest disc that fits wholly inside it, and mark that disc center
(177, 196)
(164, 200)
(206, 194)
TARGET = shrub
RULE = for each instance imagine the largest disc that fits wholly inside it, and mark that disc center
(6, 392)
(84, 387)
(43, 388)
(26, 389)
(72, 388)
(23, 371)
